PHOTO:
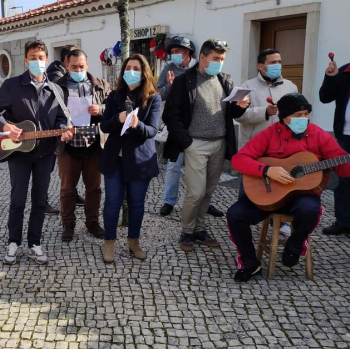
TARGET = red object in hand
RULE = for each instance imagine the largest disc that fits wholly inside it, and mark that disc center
(269, 100)
(331, 56)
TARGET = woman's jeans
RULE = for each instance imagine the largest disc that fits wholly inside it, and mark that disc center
(115, 187)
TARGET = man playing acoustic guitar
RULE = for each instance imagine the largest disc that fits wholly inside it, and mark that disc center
(30, 97)
(293, 134)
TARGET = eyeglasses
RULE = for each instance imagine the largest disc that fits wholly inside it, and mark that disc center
(219, 43)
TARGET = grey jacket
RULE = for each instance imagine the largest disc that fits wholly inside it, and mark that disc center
(162, 85)
(254, 119)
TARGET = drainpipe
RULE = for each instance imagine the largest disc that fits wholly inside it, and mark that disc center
(3, 8)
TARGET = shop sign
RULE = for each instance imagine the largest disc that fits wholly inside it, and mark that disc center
(144, 33)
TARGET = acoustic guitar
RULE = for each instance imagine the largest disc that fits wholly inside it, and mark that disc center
(304, 167)
(30, 135)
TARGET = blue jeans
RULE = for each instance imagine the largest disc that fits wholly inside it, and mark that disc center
(115, 190)
(172, 180)
(342, 191)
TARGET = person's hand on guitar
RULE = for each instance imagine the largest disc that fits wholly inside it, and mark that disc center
(68, 135)
(279, 174)
(15, 132)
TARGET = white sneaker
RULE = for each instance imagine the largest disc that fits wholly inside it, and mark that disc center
(37, 254)
(285, 230)
(11, 253)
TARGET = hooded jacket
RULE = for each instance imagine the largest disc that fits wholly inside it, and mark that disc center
(254, 119)
(55, 71)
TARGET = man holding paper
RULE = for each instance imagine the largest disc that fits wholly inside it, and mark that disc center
(85, 96)
(200, 125)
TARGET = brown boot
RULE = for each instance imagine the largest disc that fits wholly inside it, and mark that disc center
(108, 254)
(136, 250)
(68, 232)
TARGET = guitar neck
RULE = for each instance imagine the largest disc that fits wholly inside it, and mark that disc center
(326, 164)
(42, 134)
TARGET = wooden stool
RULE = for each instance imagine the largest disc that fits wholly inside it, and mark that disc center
(271, 246)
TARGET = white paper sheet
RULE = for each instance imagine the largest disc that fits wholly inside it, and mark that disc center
(128, 121)
(237, 94)
(78, 107)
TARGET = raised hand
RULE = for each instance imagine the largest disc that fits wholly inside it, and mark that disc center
(332, 69)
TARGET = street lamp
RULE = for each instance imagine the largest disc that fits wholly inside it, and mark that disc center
(14, 7)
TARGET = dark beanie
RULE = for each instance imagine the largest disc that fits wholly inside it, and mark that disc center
(292, 103)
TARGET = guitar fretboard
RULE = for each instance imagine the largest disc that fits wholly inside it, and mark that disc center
(42, 134)
(325, 164)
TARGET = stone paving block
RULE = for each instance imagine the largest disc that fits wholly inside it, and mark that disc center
(171, 300)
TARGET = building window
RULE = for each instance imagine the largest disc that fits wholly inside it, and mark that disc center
(5, 65)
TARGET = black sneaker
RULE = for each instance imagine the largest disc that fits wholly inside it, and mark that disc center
(336, 229)
(244, 275)
(49, 210)
(95, 229)
(186, 242)
(79, 201)
(166, 209)
(206, 239)
(289, 258)
(213, 211)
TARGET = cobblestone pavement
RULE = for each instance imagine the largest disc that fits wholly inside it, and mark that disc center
(171, 300)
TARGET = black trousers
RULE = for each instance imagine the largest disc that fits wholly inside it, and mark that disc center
(305, 209)
(21, 169)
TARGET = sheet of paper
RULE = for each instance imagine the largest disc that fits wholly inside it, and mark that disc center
(237, 94)
(128, 120)
(78, 107)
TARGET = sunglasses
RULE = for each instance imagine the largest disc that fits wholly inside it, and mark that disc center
(219, 43)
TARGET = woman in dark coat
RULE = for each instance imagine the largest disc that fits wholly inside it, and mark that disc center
(129, 161)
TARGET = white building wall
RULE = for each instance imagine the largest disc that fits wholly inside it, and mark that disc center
(198, 20)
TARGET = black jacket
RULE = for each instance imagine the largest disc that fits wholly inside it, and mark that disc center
(55, 71)
(21, 101)
(100, 92)
(337, 88)
(139, 160)
(178, 111)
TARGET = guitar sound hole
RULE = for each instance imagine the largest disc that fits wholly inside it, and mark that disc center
(297, 171)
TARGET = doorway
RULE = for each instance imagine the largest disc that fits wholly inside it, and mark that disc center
(288, 36)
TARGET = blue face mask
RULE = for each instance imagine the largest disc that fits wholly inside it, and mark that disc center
(177, 58)
(298, 125)
(78, 76)
(214, 68)
(132, 77)
(274, 71)
(37, 68)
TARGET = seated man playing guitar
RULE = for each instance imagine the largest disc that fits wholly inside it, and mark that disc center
(294, 134)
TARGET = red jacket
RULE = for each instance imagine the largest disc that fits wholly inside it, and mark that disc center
(276, 141)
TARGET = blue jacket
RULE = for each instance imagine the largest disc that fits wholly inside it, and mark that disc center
(21, 101)
(139, 160)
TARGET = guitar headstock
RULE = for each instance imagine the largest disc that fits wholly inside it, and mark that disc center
(86, 130)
